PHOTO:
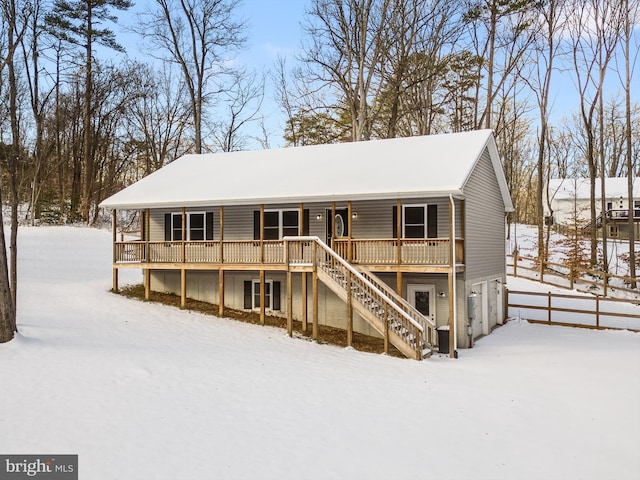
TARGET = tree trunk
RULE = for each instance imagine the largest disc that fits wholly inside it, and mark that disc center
(14, 156)
(630, 169)
(7, 311)
(86, 154)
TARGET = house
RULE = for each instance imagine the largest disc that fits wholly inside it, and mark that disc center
(567, 202)
(393, 238)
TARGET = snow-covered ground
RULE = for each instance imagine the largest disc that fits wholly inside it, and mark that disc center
(144, 391)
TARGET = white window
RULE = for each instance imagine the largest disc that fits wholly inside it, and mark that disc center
(420, 221)
(196, 227)
(268, 294)
(281, 223)
(415, 221)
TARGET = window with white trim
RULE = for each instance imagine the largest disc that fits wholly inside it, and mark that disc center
(268, 297)
(281, 223)
(418, 221)
(271, 294)
(199, 226)
(414, 221)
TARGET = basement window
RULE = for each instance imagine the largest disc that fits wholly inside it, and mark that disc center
(271, 294)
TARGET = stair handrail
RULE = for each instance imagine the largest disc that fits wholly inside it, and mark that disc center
(411, 310)
(358, 275)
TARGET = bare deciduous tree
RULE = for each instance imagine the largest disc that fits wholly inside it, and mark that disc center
(595, 31)
(160, 119)
(241, 105)
(15, 18)
(347, 43)
(546, 49)
(198, 36)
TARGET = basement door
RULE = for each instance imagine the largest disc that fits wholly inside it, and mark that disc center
(423, 298)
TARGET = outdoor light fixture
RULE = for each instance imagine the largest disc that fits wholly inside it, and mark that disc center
(442, 294)
(319, 216)
(354, 215)
(473, 294)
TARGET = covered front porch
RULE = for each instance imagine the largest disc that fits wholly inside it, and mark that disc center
(424, 255)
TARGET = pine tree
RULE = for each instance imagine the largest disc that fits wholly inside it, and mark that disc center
(77, 22)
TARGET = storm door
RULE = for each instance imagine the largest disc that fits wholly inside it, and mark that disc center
(423, 298)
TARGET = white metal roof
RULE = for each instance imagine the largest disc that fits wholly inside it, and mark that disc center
(579, 188)
(432, 165)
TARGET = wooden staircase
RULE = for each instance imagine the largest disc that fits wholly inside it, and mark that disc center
(388, 313)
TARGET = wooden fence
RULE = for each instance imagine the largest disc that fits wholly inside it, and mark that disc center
(566, 276)
(572, 310)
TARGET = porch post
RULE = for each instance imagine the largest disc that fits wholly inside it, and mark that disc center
(314, 281)
(289, 303)
(184, 232)
(183, 287)
(386, 328)
(261, 235)
(220, 292)
(147, 272)
(220, 270)
(114, 228)
(349, 311)
(221, 234)
(147, 284)
(147, 233)
(349, 227)
(301, 220)
(114, 279)
(304, 302)
(452, 279)
(289, 292)
(262, 295)
(333, 224)
(399, 230)
(462, 219)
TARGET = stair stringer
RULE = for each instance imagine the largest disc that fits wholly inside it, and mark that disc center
(395, 339)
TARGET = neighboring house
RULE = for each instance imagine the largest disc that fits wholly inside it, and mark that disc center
(569, 199)
(391, 238)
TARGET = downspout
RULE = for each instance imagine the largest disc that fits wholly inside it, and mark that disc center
(454, 293)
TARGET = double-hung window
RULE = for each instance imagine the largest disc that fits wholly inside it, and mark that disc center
(418, 221)
(199, 226)
(279, 223)
(268, 289)
(415, 221)
(272, 225)
(271, 294)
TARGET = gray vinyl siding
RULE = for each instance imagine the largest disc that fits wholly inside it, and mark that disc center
(375, 218)
(484, 222)
(374, 221)
(156, 221)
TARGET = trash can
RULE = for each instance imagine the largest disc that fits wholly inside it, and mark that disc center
(443, 339)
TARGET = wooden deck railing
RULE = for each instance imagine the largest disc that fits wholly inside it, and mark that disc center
(431, 251)
(251, 252)
(392, 320)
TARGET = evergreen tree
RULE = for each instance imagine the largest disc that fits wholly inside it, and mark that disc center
(77, 22)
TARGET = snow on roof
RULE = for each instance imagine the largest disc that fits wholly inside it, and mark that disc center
(579, 188)
(393, 168)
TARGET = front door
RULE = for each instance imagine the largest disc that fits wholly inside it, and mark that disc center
(423, 298)
(341, 221)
